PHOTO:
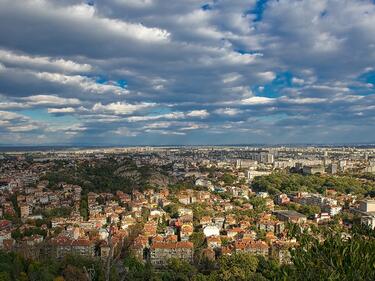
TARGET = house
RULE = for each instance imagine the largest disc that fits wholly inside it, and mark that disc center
(127, 221)
(205, 220)
(163, 202)
(270, 205)
(229, 221)
(251, 246)
(227, 250)
(290, 216)
(211, 230)
(25, 210)
(185, 231)
(5, 225)
(233, 232)
(322, 218)
(218, 221)
(368, 220)
(332, 210)
(185, 212)
(204, 196)
(150, 228)
(367, 205)
(271, 226)
(213, 242)
(282, 199)
(244, 224)
(203, 183)
(186, 197)
(4, 235)
(139, 245)
(161, 252)
(61, 246)
(280, 250)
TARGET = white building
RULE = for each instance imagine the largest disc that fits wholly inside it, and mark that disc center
(211, 230)
(252, 174)
(369, 221)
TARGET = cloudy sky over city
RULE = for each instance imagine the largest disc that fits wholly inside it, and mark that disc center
(187, 71)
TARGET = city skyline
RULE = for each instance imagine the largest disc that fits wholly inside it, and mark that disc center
(154, 72)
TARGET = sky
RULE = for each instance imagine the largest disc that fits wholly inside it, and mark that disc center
(144, 72)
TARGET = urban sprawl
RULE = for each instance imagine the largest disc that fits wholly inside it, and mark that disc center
(185, 203)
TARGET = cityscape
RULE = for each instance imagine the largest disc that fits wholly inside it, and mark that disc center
(185, 213)
(187, 140)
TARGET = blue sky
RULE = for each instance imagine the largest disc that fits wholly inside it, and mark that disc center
(187, 72)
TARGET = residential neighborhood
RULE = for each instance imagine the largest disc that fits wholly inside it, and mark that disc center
(203, 205)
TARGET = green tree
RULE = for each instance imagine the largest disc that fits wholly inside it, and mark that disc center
(333, 259)
(178, 270)
(84, 207)
(238, 267)
(172, 210)
(228, 179)
(4, 276)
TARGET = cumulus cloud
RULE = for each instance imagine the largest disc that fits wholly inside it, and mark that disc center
(50, 100)
(85, 83)
(61, 110)
(228, 111)
(154, 71)
(121, 107)
(257, 100)
(198, 113)
(40, 62)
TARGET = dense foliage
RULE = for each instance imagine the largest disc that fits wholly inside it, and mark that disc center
(14, 268)
(286, 183)
(106, 175)
(334, 259)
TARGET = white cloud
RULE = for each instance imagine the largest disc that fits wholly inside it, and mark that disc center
(194, 126)
(86, 84)
(83, 14)
(135, 3)
(13, 105)
(257, 100)
(40, 62)
(228, 111)
(7, 115)
(76, 128)
(267, 76)
(232, 77)
(23, 128)
(158, 125)
(50, 100)
(61, 110)
(121, 107)
(164, 132)
(172, 115)
(174, 57)
(198, 113)
(302, 100)
(298, 81)
(123, 131)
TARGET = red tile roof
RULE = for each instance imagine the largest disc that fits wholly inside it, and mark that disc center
(172, 245)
